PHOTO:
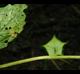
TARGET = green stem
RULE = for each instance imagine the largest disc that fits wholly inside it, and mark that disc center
(37, 58)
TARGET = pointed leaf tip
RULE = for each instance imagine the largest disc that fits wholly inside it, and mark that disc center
(54, 46)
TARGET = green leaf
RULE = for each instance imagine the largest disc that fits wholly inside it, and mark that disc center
(12, 21)
(54, 47)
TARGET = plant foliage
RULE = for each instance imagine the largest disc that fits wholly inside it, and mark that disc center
(12, 20)
(54, 47)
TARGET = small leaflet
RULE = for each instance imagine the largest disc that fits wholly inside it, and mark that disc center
(54, 47)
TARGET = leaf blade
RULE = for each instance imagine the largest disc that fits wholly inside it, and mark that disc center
(54, 47)
(13, 17)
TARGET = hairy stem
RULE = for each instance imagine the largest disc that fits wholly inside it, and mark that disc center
(37, 58)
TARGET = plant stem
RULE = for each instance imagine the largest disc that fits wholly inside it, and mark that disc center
(37, 58)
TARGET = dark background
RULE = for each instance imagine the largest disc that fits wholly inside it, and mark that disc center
(42, 22)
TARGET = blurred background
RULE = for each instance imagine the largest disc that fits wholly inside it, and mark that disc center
(42, 22)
